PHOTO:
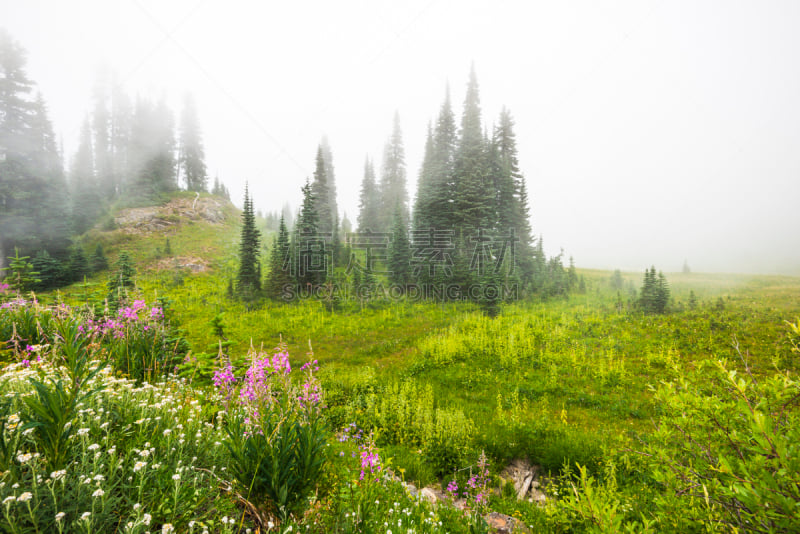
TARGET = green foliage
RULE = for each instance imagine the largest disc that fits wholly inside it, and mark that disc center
(21, 277)
(122, 281)
(248, 280)
(78, 265)
(98, 262)
(725, 451)
(655, 293)
(277, 462)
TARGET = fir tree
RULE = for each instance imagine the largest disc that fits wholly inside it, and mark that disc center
(122, 281)
(310, 253)
(393, 188)
(369, 201)
(191, 161)
(21, 275)
(98, 262)
(78, 266)
(50, 271)
(321, 193)
(247, 279)
(474, 200)
(399, 261)
(280, 262)
(85, 198)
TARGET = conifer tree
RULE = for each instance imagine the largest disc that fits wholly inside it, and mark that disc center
(369, 201)
(33, 195)
(121, 281)
(21, 275)
(321, 193)
(393, 188)
(399, 264)
(191, 161)
(474, 199)
(49, 271)
(247, 279)
(280, 263)
(78, 266)
(85, 197)
(330, 174)
(309, 251)
(98, 262)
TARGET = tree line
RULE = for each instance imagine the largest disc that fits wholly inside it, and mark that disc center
(468, 228)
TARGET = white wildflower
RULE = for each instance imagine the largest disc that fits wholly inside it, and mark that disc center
(98, 493)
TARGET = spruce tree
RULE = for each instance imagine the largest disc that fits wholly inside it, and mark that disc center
(393, 188)
(247, 279)
(321, 193)
(21, 275)
(399, 261)
(309, 250)
(85, 197)
(78, 266)
(474, 200)
(369, 201)
(33, 194)
(191, 161)
(280, 262)
(98, 262)
(50, 272)
(121, 281)
(330, 175)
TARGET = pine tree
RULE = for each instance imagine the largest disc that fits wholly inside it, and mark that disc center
(49, 271)
(369, 201)
(393, 188)
(191, 161)
(309, 248)
(98, 262)
(85, 198)
(321, 193)
(399, 261)
(474, 199)
(33, 195)
(247, 279)
(662, 294)
(21, 275)
(121, 281)
(280, 262)
(78, 266)
(330, 175)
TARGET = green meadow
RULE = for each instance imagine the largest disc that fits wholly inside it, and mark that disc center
(586, 388)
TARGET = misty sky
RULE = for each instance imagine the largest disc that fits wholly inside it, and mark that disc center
(648, 132)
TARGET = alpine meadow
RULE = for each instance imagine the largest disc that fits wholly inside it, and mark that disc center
(184, 350)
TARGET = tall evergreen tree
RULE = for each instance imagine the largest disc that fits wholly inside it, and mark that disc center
(280, 262)
(474, 199)
(191, 161)
(101, 127)
(369, 201)
(32, 186)
(330, 175)
(321, 192)
(393, 188)
(309, 249)
(247, 280)
(424, 199)
(399, 261)
(445, 139)
(85, 198)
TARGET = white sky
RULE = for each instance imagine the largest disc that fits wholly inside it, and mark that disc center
(649, 132)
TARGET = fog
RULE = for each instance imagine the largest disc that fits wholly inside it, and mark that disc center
(648, 132)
